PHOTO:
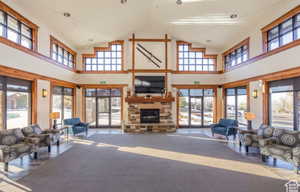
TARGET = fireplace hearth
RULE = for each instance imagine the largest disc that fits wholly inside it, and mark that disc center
(150, 115)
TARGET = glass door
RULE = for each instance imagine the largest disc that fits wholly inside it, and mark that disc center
(103, 107)
(196, 108)
(196, 112)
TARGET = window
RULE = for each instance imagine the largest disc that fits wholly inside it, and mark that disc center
(194, 59)
(105, 59)
(285, 104)
(62, 102)
(236, 55)
(283, 31)
(196, 107)
(62, 54)
(15, 97)
(236, 104)
(16, 28)
(103, 107)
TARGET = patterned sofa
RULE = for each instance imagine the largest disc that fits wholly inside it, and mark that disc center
(13, 145)
(283, 145)
(225, 127)
(77, 126)
(46, 137)
(250, 138)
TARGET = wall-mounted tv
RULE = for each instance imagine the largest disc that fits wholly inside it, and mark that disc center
(149, 84)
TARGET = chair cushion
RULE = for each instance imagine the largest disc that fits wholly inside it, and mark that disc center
(20, 148)
(11, 137)
(289, 138)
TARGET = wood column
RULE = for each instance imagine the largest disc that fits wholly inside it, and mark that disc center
(166, 62)
(133, 62)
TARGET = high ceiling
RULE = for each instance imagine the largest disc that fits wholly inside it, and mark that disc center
(106, 20)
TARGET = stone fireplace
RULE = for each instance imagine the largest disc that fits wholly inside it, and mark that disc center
(149, 116)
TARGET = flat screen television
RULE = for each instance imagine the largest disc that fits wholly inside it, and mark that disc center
(149, 84)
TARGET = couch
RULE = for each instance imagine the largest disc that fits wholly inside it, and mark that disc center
(250, 138)
(283, 145)
(225, 127)
(77, 126)
(46, 137)
(13, 145)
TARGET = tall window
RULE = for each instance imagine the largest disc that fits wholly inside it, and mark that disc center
(62, 54)
(283, 33)
(15, 97)
(194, 59)
(16, 30)
(285, 104)
(105, 59)
(62, 102)
(236, 55)
(103, 107)
(196, 107)
(236, 104)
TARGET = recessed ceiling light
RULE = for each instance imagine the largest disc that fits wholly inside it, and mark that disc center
(91, 40)
(233, 16)
(179, 2)
(123, 1)
(66, 14)
(208, 41)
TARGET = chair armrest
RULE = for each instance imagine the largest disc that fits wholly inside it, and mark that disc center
(213, 125)
(51, 131)
(252, 132)
(267, 141)
(32, 140)
(4, 148)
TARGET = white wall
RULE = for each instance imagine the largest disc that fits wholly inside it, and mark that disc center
(43, 107)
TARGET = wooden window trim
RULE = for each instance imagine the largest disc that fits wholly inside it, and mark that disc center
(24, 20)
(235, 47)
(205, 56)
(94, 55)
(275, 23)
(53, 40)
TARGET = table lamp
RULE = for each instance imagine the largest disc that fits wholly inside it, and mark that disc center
(249, 117)
(54, 116)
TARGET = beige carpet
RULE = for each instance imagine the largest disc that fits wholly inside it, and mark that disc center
(151, 163)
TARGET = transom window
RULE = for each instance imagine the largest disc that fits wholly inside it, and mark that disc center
(105, 59)
(236, 55)
(16, 31)
(194, 59)
(62, 54)
(284, 33)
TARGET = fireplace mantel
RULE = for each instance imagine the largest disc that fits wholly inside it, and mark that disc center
(153, 99)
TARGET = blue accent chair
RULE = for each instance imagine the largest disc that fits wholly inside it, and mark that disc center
(77, 126)
(225, 127)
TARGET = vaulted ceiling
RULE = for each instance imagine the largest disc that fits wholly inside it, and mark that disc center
(106, 20)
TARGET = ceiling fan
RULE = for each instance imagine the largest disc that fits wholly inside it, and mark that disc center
(178, 2)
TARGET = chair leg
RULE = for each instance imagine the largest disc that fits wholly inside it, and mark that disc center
(58, 143)
(35, 155)
(6, 167)
(49, 148)
(240, 143)
(247, 149)
(263, 158)
(274, 161)
(297, 170)
(234, 137)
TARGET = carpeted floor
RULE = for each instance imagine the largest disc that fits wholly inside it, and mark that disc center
(151, 163)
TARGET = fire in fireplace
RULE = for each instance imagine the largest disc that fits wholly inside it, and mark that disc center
(150, 115)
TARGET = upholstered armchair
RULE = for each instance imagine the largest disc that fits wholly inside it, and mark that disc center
(284, 145)
(77, 126)
(46, 137)
(13, 145)
(250, 138)
(225, 127)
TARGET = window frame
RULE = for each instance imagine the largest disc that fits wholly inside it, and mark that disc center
(234, 50)
(292, 14)
(104, 49)
(65, 49)
(192, 49)
(21, 20)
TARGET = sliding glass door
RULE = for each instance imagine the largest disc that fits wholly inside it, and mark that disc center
(103, 107)
(15, 103)
(236, 105)
(196, 107)
(62, 102)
